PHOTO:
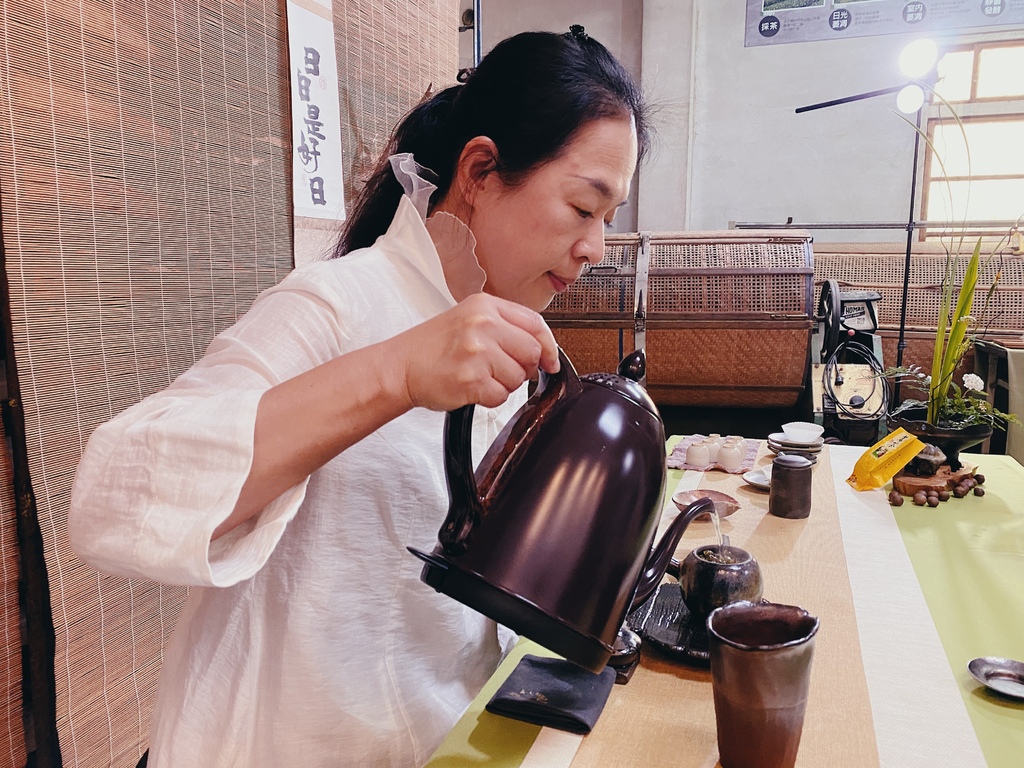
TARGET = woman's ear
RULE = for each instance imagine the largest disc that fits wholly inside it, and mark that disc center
(477, 161)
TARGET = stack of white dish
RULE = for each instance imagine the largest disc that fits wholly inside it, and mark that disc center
(802, 436)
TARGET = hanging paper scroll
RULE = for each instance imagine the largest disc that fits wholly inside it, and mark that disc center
(796, 21)
(317, 186)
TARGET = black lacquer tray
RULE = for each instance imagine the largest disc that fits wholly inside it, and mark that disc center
(665, 623)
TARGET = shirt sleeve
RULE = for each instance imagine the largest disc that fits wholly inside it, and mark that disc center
(156, 480)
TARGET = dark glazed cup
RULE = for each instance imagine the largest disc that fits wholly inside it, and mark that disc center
(789, 493)
(708, 585)
(760, 673)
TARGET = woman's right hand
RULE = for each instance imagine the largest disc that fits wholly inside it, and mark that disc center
(479, 351)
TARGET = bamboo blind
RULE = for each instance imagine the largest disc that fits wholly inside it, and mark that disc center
(12, 736)
(145, 183)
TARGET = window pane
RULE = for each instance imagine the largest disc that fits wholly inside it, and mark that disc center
(1001, 199)
(955, 71)
(1001, 72)
(995, 146)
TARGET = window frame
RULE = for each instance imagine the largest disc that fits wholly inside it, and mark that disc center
(973, 109)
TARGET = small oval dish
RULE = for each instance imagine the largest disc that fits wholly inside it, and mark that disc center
(1004, 676)
(725, 505)
(759, 478)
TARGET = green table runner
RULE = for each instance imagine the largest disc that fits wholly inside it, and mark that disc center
(968, 555)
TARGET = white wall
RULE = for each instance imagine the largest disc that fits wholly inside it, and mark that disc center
(731, 147)
(754, 159)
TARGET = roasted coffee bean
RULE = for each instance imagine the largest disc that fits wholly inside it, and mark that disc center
(920, 498)
(979, 491)
(960, 491)
(980, 479)
(943, 495)
(896, 498)
(933, 501)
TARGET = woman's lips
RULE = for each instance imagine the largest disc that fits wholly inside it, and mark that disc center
(561, 284)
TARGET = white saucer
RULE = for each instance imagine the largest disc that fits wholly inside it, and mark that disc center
(783, 439)
(758, 479)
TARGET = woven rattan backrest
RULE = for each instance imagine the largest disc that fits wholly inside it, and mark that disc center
(696, 274)
(145, 180)
(879, 266)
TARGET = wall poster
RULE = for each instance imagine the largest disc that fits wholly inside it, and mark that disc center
(317, 187)
(796, 21)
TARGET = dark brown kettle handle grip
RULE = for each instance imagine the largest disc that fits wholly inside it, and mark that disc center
(464, 509)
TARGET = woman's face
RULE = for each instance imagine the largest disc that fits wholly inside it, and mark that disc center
(534, 239)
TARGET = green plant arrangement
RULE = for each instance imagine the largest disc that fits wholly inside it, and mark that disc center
(948, 405)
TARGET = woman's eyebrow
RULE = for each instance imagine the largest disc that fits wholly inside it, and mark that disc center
(599, 185)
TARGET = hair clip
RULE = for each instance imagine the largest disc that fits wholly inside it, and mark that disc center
(577, 33)
(465, 74)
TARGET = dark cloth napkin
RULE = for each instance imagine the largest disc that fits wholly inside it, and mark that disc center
(554, 693)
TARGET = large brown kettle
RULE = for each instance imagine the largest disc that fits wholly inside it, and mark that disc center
(552, 535)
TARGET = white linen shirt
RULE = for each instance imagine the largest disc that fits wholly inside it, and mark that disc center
(308, 638)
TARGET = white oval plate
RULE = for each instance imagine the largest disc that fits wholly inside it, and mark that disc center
(783, 439)
(758, 479)
(776, 448)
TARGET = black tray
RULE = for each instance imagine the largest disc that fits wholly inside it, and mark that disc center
(664, 622)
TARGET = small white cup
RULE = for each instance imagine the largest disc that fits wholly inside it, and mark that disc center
(713, 447)
(730, 456)
(697, 454)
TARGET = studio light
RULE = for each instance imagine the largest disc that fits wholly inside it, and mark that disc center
(918, 58)
(910, 99)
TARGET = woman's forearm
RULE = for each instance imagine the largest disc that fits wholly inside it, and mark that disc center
(304, 422)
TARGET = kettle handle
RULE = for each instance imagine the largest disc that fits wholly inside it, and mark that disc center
(465, 508)
(466, 504)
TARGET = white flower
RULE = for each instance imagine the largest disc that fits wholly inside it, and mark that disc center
(973, 382)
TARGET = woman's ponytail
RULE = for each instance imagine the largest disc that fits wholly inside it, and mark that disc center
(423, 132)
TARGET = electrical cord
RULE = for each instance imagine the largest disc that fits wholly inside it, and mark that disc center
(831, 377)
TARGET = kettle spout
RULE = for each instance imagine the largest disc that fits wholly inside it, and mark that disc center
(659, 558)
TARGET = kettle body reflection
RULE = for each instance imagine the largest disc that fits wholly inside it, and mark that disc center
(552, 534)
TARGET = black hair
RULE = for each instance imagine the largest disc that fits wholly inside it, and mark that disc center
(530, 95)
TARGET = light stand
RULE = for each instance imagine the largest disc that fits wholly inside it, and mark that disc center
(911, 227)
(917, 60)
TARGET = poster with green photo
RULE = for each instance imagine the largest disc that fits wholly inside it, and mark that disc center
(771, 22)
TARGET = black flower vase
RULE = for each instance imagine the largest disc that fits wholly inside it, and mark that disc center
(950, 440)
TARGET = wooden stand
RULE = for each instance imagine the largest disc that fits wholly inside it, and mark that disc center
(943, 480)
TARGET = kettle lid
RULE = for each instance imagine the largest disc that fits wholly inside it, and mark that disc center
(628, 388)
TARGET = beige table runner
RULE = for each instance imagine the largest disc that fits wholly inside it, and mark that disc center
(665, 715)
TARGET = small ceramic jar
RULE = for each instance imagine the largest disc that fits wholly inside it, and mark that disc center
(713, 576)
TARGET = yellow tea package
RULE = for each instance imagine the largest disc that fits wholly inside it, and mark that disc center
(884, 459)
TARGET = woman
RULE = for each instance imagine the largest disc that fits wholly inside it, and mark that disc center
(286, 472)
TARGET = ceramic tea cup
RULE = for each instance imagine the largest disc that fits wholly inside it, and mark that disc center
(730, 456)
(697, 454)
(713, 576)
